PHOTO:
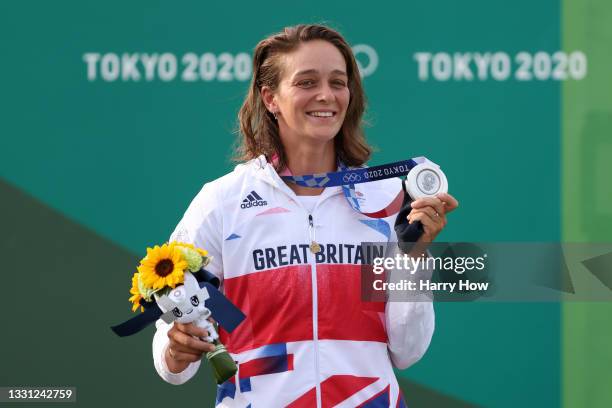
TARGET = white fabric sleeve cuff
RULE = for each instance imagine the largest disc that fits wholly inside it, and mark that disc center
(160, 344)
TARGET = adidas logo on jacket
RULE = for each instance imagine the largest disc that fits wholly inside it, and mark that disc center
(253, 200)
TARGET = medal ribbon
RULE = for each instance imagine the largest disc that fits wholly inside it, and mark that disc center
(347, 178)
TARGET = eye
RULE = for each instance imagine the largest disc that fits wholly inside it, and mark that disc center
(306, 83)
(195, 301)
(339, 83)
(177, 312)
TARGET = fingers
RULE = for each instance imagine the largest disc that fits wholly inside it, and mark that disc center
(191, 329)
(433, 202)
(189, 343)
(431, 213)
(431, 227)
(182, 356)
(431, 222)
(450, 203)
(443, 203)
(178, 347)
(185, 339)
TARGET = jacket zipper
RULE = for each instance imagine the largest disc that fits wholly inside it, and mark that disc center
(312, 233)
(315, 248)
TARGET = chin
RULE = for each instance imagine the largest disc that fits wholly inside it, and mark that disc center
(324, 135)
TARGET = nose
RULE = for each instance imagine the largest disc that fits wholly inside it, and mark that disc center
(325, 95)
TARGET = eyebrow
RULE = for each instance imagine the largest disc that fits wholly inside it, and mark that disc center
(314, 71)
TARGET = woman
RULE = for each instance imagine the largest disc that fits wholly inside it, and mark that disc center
(288, 255)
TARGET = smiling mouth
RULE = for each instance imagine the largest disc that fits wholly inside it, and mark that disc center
(319, 114)
(189, 312)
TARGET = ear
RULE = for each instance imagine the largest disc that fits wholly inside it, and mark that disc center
(269, 99)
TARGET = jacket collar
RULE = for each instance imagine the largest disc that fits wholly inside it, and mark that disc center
(266, 171)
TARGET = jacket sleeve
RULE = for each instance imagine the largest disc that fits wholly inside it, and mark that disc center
(201, 226)
(410, 327)
(410, 320)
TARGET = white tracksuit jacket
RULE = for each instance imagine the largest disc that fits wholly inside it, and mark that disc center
(308, 339)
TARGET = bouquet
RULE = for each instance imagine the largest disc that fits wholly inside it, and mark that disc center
(171, 283)
(163, 268)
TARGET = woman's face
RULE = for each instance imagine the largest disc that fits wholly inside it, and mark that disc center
(313, 94)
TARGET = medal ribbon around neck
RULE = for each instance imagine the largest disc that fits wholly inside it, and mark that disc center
(347, 178)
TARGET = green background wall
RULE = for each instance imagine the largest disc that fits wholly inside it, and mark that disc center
(93, 171)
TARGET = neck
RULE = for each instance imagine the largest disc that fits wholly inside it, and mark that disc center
(309, 159)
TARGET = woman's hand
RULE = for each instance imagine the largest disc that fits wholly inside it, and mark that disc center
(431, 211)
(185, 346)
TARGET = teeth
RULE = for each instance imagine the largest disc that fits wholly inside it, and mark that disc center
(322, 114)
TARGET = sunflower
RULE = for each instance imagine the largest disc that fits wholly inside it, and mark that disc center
(135, 292)
(163, 266)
